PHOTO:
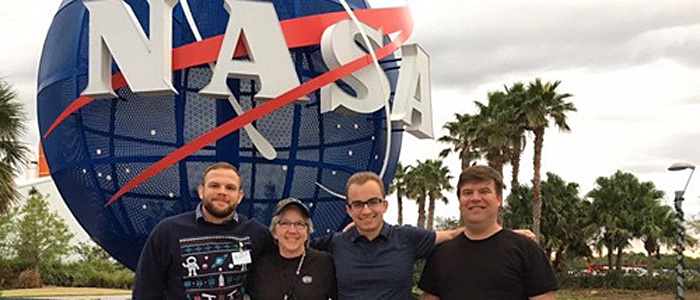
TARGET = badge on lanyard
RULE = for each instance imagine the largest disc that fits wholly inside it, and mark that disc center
(241, 257)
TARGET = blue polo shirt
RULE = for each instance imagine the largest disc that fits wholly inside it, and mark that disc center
(377, 269)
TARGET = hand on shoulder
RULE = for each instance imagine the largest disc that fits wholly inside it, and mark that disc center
(527, 233)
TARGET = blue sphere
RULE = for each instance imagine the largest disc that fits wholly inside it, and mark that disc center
(103, 145)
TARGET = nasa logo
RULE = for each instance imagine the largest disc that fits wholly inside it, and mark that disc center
(313, 104)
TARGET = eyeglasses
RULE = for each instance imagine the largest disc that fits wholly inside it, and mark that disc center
(371, 203)
(285, 224)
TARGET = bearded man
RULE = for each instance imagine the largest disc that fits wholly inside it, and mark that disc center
(205, 253)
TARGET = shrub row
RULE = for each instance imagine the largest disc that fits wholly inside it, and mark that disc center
(78, 274)
(111, 275)
(618, 280)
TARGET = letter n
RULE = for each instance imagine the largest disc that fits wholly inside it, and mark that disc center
(256, 26)
(145, 62)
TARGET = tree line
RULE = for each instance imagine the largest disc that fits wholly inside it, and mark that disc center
(619, 209)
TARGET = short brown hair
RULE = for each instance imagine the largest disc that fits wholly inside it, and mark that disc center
(481, 173)
(219, 165)
(362, 178)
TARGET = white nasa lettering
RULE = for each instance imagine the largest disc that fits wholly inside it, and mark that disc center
(412, 101)
(145, 63)
(257, 26)
(338, 48)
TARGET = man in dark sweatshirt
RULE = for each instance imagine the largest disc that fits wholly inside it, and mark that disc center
(204, 254)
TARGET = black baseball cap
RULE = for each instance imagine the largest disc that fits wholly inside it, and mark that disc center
(282, 204)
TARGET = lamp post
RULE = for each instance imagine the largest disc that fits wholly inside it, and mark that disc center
(679, 227)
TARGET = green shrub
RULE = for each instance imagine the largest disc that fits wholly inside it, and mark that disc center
(29, 278)
(417, 270)
(6, 275)
(99, 273)
(57, 274)
(618, 280)
(104, 274)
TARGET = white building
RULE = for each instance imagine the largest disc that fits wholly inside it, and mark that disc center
(38, 177)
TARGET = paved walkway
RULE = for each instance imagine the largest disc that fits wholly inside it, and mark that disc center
(81, 297)
(88, 297)
(61, 293)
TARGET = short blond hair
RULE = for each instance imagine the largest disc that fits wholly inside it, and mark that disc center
(362, 178)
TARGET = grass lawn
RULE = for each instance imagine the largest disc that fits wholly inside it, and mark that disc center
(602, 294)
(61, 291)
(585, 294)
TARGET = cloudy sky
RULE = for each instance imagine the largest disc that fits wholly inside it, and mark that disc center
(632, 65)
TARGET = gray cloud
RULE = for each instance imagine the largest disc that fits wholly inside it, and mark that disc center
(679, 147)
(492, 40)
(623, 118)
(645, 168)
(690, 101)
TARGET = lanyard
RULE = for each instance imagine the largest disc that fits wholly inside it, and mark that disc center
(289, 295)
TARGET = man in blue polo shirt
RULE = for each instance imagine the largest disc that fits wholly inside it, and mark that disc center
(374, 260)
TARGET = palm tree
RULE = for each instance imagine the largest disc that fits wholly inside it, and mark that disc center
(13, 155)
(515, 96)
(610, 212)
(416, 189)
(517, 207)
(499, 134)
(542, 104)
(491, 139)
(625, 208)
(494, 132)
(438, 179)
(566, 225)
(657, 226)
(462, 133)
(398, 185)
(428, 179)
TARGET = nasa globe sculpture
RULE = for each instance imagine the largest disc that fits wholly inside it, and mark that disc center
(135, 99)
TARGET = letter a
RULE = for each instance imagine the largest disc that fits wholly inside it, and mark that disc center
(256, 24)
(145, 63)
(412, 103)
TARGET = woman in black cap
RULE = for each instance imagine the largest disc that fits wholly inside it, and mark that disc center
(295, 271)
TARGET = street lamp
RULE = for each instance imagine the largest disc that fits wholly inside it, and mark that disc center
(679, 227)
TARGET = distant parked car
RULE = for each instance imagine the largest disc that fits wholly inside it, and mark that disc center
(635, 271)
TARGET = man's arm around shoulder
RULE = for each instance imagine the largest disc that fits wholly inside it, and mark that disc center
(545, 296)
(446, 235)
(429, 296)
(324, 242)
